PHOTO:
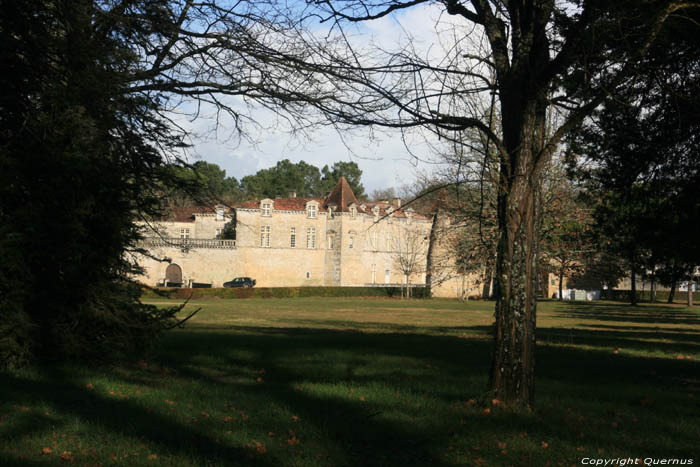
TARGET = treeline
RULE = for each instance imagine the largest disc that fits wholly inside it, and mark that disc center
(205, 182)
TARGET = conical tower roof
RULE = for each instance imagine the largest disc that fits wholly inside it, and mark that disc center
(342, 196)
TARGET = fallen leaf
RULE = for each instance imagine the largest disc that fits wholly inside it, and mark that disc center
(544, 445)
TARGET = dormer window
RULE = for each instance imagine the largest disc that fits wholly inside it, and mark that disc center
(409, 215)
(219, 213)
(353, 211)
(312, 210)
(375, 211)
(266, 207)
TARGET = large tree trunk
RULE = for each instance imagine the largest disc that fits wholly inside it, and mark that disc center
(513, 366)
(672, 292)
(690, 293)
(652, 290)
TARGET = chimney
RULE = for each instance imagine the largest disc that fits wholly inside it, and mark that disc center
(292, 194)
(396, 202)
(278, 196)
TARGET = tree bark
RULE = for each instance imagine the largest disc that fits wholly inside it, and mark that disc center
(486, 289)
(652, 291)
(512, 375)
(672, 292)
(430, 260)
(690, 293)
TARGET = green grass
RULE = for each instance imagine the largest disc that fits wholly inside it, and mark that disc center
(335, 382)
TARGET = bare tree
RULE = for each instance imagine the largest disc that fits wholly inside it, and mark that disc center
(532, 55)
(410, 249)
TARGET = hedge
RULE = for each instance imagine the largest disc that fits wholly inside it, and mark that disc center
(281, 292)
(645, 295)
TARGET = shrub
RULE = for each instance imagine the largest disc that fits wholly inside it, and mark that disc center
(282, 292)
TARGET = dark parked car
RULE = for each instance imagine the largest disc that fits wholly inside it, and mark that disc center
(240, 282)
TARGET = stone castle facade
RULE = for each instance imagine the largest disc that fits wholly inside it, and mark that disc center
(293, 242)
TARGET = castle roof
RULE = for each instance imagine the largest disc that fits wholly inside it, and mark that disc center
(285, 204)
(187, 213)
(342, 196)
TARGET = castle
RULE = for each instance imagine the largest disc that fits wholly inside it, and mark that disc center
(295, 241)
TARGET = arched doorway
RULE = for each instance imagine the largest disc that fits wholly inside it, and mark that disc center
(173, 275)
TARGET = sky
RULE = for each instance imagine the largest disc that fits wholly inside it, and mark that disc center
(385, 160)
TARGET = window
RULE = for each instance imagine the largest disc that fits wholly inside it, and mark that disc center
(374, 274)
(311, 237)
(308, 275)
(388, 241)
(184, 234)
(293, 238)
(265, 236)
(330, 242)
(353, 212)
(350, 241)
(266, 209)
(374, 240)
(219, 214)
(387, 276)
(218, 233)
(311, 209)
(553, 282)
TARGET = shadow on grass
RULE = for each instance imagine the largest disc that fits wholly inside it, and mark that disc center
(599, 384)
(311, 372)
(119, 416)
(625, 313)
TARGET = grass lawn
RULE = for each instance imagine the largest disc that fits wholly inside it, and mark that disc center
(339, 382)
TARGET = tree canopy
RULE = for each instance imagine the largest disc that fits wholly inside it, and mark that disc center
(638, 157)
(302, 178)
